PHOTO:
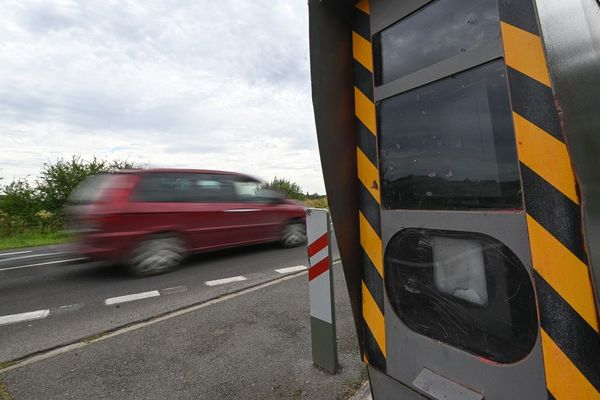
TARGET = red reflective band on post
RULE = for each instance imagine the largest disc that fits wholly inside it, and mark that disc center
(318, 268)
(317, 245)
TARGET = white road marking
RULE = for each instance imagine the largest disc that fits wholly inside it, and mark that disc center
(173, 290)
(225, 280)
(15, 252)
(74, 346)
(131, 297)
(26, 316)
(34, 256)
(291, 269)
(42, 264)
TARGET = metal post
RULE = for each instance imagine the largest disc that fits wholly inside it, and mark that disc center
(320, 287)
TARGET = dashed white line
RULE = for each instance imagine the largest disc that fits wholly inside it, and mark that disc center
(225, 280)
(44, 263)
(33, 256)
(289, 270)
(139, 325)
(26, 316)
(131, 297)
(14, 252)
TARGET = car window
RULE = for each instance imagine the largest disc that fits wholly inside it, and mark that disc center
(164, 188)
(213, 188)
(252, 191)
(184, 188)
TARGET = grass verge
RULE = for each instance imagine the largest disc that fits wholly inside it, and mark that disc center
(4, 394)
(30, 239)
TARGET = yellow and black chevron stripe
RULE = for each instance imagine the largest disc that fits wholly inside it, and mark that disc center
(568, 316)
(373, 334)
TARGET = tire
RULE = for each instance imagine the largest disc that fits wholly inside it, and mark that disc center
(156, 255)
(293, 234)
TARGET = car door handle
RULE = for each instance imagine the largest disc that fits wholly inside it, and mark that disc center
(242, 209)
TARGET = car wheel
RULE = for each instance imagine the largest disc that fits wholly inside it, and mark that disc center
(294, 234)
(156, 255)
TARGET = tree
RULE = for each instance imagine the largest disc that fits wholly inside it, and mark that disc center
(285, 187)
(39, 205)
(59, 179)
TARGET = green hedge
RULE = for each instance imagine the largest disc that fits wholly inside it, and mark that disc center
(38, 206)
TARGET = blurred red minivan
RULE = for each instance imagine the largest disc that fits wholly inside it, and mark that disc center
(150, 219)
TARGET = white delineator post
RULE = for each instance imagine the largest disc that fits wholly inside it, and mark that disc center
(320, 287)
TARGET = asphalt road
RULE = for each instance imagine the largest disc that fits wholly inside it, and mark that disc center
(246, 337)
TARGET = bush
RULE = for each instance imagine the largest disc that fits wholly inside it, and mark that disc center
(11, 225)
(320, 202)
(39, 207)
(58, 180)
(285, 187)
(21, 201)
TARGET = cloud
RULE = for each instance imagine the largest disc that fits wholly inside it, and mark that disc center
(196, 84)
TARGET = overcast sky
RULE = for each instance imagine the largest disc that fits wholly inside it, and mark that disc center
(206, 84)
